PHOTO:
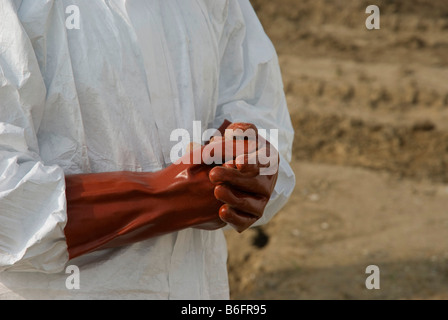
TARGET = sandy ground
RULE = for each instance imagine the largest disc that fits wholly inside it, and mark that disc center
(370, 110)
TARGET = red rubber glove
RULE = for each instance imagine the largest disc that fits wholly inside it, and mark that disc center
(117, 208)
(246, 182)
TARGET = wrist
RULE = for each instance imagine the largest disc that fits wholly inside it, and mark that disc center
(103, 206)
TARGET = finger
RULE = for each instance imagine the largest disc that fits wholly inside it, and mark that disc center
(241, 125)
(243, 181)
(221, 150)
(238, 134)
(239, 130)
(230, 164)
(248, 163)
(240, 221)
(216, 139)
(242, 201)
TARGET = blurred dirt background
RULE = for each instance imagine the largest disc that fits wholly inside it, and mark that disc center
(370, 112)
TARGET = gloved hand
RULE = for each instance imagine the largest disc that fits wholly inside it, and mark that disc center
(246, 182)
(118, 208)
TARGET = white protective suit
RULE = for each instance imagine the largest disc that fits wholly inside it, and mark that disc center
(105, 97)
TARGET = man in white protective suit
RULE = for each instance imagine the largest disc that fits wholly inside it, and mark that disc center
(87, 175)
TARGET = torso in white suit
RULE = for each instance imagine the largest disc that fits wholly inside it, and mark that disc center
(105, 97)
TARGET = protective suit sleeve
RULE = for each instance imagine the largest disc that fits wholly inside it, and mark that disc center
(32, 196)
(251, 90)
